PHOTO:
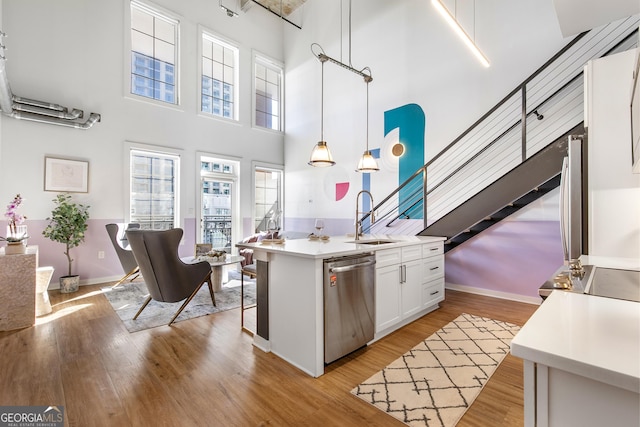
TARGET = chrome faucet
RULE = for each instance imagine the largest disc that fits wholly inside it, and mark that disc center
(358, 221)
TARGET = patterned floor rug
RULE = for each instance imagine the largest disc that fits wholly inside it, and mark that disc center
(434, 383)
(127, 299)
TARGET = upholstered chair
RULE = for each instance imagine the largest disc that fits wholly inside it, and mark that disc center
(167, 277)
(127, 260)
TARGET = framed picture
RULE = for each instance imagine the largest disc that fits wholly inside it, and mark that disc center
(202, 248)
(66, 175)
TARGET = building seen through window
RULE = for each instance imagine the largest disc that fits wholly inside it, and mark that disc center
(154, 54)
(153, 190)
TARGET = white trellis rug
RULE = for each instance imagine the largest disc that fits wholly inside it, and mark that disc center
(434, 383)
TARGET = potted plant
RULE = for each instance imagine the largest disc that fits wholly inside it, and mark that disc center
(67, 225)
(16, 233)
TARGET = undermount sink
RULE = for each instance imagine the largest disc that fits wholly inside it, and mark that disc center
(372, 242)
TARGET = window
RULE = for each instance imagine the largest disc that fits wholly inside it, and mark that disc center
(218, 92)
(219, 214)
(154, 188)
(268, 197)
(268, 93)
(154, 53)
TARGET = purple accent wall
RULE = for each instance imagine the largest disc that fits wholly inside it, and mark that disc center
(514, 257)
(86, 262)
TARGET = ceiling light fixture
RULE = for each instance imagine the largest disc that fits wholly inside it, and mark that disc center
(367, 162)
(321, 156)
(230, 13)
(453, 22)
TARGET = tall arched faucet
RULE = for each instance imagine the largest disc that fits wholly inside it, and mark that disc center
(359, 221)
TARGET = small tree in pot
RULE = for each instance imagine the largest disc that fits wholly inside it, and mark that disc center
(67, 225)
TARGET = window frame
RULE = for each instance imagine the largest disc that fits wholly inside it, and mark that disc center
(230, 44)
(233, 178)
(266, 61)
(174, 153)
(272, 167)
(165, 15)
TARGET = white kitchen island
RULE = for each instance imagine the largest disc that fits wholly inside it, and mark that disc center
(581, 361)
(290, 292)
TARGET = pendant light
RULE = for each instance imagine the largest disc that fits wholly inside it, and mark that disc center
(367, 162)
(321, 156)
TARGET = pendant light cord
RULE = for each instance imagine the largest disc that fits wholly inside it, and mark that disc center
(367, 116)
(322, 101)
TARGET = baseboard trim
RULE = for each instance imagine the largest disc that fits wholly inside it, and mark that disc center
(494, 294)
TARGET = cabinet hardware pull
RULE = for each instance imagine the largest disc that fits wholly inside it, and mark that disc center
(433, 249)
(434, 268)
(434, 292)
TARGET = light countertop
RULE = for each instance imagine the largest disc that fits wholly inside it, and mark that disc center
(336, 245)
(591, 336)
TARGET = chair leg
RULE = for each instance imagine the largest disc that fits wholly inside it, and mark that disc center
(187, 301)
(126, 276)
(242, 306)
(213, 297)
(142, 308)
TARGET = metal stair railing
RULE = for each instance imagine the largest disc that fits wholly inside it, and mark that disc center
(547, 104)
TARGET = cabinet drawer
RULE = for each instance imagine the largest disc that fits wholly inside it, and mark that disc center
(410, 253)
(432, 249)
(432, 292)
(387, 257)
(432, 268)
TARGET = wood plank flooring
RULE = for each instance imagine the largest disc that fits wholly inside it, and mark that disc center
(205, 371)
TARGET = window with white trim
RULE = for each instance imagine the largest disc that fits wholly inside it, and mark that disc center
(154, 189)
(268, 77)
(219, 74)
(154, 53)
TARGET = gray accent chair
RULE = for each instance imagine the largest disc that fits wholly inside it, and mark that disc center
(168, 279)
(127, 260)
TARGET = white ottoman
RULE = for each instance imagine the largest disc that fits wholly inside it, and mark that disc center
(43, 276)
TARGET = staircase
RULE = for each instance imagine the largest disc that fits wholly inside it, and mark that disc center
(508, 158)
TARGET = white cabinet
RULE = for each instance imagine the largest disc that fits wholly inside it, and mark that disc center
(401, 276)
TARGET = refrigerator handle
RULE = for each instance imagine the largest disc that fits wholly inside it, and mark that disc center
(563, 207)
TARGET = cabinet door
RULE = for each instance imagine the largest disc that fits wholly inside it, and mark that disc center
(411, 288)
(387, 296)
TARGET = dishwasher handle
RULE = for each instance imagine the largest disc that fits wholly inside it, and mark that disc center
(351, 267)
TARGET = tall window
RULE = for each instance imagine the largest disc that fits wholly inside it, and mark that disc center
(268, 93)
(219, 210)
(219, 74)
(154, 189)
(268, 197)
(154, 54)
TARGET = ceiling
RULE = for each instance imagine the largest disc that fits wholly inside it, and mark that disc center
(276, 6)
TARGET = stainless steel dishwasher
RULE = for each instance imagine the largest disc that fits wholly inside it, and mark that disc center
(349, 304)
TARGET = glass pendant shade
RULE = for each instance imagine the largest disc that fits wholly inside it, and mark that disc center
(367, 163)
(321, 156)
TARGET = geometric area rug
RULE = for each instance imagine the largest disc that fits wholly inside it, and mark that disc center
(434, 383)
(127, 298)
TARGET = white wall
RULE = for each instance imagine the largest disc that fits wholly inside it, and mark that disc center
(70, 52)
(415, 58)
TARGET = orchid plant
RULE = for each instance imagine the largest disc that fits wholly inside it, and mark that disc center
(15, 219)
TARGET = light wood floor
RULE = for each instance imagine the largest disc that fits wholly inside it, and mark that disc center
(205, 372)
